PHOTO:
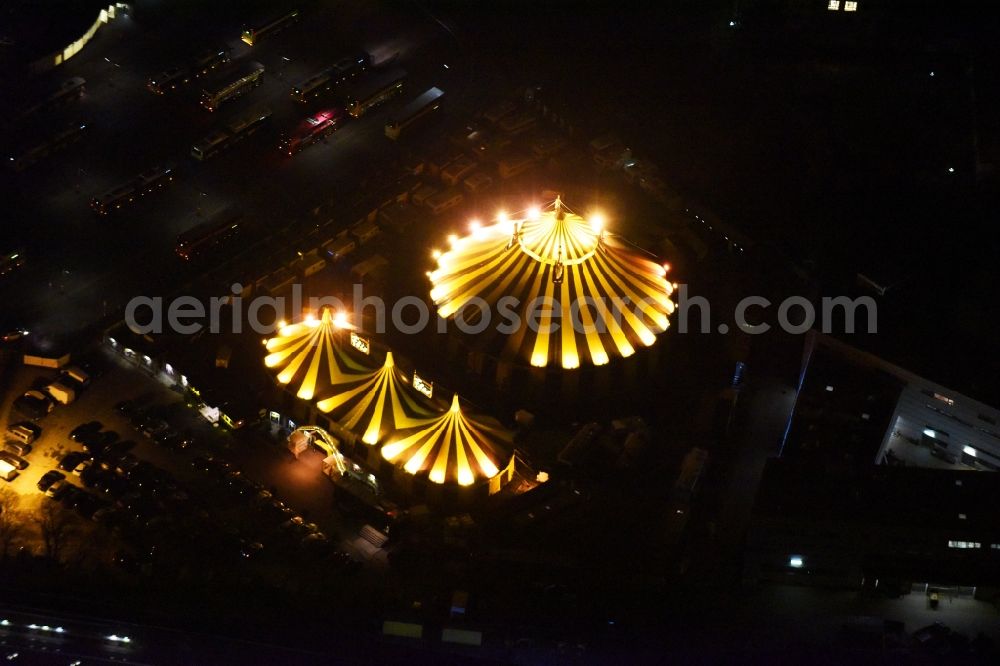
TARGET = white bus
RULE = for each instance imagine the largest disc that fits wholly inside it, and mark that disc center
(425, 104)
(232, 84)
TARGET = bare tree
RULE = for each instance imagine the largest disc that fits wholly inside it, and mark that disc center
(12, 521)
(57, 528)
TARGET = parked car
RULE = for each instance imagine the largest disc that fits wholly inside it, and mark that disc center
(57, 489)
(15, 460)
(126, 463)
(48, 479)
(24, 432)
(89, 505)
(116, 450)
(71, 496)
(96, 443)
(154, 427)
(82, 467)
(17, 448)
(34, 405)
(71, 460)
(83, 429)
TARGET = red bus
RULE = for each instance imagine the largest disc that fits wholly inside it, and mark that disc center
(312, 129)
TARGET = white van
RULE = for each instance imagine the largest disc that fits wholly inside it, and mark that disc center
(22, 433)
(7, 471)
(61, 393)
(78, 375)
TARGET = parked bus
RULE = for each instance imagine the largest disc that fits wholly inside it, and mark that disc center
(269, 28)
(176, 77)
(38, 150)
(68, 91)
(428, 102)
(142, 185)
(209, 61)
(167, 81)
(204, 238)
(232, 84)
(235, 131)
(373, 91)
(343, 71)
(311, 130)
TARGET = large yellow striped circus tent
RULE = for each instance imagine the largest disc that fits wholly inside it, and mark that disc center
(591, 295)
(322, 360)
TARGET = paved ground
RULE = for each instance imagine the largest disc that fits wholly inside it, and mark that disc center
(299, 483)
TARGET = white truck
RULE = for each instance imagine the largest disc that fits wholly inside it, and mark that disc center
(61, 393)
(7, 471)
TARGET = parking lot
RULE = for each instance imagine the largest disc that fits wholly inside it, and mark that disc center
(279, 506)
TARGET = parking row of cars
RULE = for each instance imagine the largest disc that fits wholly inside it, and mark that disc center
(38, 402)
(245, 495)
(150, 421)
(278, 524)
(34, 405)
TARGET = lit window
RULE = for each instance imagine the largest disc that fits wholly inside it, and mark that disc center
(962, 516)
(833, 5)
(850, 6)
(829, 389)
(422, 385)
(995, 546)
(945, 399)
(360, 343)
(795, 561)
(966, 545)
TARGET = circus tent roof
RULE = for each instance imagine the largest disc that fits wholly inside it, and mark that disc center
(451, 448)
(376, 405)
(311, 357)
(604, 296)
